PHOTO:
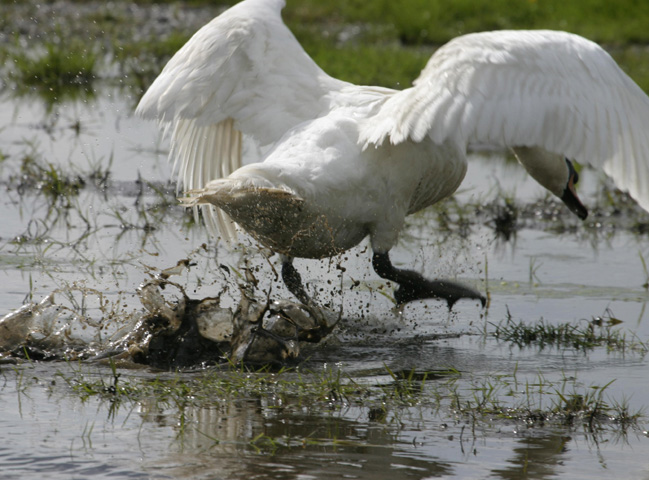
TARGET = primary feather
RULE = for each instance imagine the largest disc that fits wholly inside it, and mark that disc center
(244, 73)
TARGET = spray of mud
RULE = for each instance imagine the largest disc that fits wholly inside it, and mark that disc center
(171, 331)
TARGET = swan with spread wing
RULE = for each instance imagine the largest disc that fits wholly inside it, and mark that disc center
(342, 162)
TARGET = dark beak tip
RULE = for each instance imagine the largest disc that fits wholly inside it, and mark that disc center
(573, 203)
(570, 197)
(579, 209)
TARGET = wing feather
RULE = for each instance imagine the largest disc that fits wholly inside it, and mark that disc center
(242, 73)
(546, 89)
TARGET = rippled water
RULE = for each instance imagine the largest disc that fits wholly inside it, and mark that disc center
(110, 235)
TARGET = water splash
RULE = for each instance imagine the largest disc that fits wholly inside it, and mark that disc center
(172, 331)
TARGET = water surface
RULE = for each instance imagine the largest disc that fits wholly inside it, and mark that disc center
(103, 241)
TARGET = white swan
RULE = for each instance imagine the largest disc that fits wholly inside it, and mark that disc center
(343, 161)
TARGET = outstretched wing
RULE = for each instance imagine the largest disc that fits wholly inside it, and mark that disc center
(242, 73)
(546, 89)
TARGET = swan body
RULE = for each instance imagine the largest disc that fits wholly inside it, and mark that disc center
(307, 199)
(342, 162)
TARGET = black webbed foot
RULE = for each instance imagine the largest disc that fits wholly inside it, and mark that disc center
(443, 289)
(413, 286)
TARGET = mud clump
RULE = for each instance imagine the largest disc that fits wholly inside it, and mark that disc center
(175, 331)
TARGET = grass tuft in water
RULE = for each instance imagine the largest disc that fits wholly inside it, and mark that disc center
(539, 403)
(599, 332)
(64, 70)
(48, 178)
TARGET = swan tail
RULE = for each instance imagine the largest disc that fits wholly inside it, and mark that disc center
(227, 199)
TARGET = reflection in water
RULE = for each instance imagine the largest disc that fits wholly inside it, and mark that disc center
(259, 439)
(536, 457)
(48, 465)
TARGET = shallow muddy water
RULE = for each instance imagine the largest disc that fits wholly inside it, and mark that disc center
(95, 245)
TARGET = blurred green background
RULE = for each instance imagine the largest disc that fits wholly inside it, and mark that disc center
(378, 42)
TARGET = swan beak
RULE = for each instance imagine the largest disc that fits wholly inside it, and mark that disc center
(570, 197)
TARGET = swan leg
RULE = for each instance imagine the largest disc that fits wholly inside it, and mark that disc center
(293, 281)
(413, 286)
